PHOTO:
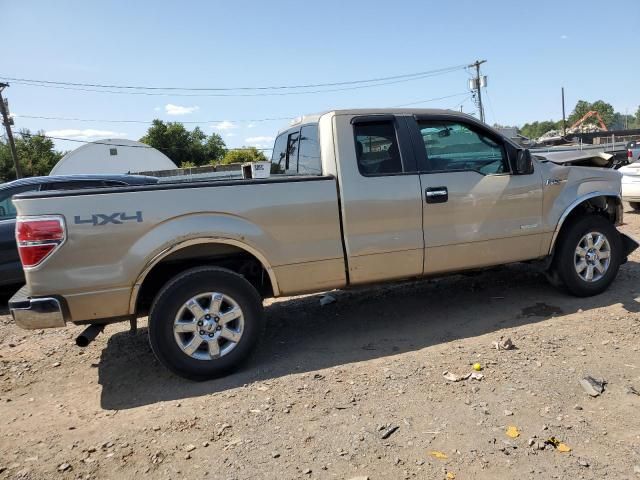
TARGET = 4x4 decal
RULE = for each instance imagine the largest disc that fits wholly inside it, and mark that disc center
(116, 218)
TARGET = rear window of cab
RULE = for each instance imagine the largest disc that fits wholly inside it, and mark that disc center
(297, 152)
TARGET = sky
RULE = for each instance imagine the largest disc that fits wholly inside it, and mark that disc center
(531, 52)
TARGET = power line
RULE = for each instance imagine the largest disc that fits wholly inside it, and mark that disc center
(70, 119)
(97, 142)
(103, 120)
(431, 99)
(36, 83)
(275, 87)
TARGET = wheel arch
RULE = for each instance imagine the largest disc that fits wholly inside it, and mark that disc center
(606, 204)
(193, 250)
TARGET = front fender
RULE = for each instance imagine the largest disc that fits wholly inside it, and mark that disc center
(573, 205)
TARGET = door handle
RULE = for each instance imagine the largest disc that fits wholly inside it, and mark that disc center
(436, 194)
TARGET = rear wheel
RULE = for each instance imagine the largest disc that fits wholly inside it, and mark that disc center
(588, 255)
(205, 322)
(635, 205)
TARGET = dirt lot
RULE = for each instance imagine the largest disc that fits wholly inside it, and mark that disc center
(328, 385)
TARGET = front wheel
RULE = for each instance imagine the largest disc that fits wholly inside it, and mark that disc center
(588, 255)
(205, 322)
(635, 205)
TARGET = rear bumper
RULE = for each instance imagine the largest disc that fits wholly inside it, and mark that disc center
(35, 313)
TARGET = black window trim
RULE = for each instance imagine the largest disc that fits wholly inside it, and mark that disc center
(403, 138)
(475, 126)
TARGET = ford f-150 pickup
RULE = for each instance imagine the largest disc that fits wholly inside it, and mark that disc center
(355, 197)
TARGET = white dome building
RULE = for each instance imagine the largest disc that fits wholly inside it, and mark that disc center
(112, 156)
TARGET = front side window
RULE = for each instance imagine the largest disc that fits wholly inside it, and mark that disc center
(453, 146)
(309, 156)
(377, 149)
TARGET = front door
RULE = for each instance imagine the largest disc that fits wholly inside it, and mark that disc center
(476, 212)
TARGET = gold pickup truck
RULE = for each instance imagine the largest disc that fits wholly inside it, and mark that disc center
(356, 197)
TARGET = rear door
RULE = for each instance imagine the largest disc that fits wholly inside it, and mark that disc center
(381, 198)
(476, 213)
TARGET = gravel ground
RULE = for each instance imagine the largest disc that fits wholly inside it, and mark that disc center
(354, 389)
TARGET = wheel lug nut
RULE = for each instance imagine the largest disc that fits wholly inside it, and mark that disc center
(218, 328)
(200, 323)
(211, 334)
(201, 332)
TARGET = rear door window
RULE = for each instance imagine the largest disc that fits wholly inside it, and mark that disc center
(377, 149)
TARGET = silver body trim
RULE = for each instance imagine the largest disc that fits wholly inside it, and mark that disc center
(40, 313)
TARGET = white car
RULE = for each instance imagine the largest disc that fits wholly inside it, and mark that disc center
(631, 184)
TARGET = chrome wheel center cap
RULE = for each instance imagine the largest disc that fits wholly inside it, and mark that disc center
(591, 257)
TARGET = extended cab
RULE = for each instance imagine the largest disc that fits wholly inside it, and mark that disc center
(356, 197)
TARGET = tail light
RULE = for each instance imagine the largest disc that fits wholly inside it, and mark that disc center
(629, 155)
(38, 238)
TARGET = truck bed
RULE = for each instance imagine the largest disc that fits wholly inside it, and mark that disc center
(292, 224)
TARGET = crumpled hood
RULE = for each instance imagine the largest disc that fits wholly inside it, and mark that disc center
(577, 157)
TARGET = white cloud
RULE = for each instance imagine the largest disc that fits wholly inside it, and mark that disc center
(86, 134)
(224, 125)
(230, 134)
(172, 109)
(260, 142)
(251, 125)
(157, 109)
(564, 37)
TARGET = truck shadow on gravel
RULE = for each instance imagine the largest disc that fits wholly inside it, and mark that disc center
(302, 336)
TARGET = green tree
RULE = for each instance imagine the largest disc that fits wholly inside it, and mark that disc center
(36, 153)
(537, 129)
(605, 110)
(244, 155)
(184, 146)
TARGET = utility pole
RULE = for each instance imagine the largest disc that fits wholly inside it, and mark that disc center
(476, 84)
(564, 119)
(7, 122)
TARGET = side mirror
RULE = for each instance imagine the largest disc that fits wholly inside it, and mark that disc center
(524, 163)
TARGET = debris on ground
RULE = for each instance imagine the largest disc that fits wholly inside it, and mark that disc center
(504, 344)
(632, 391)
(592, 386)
(389, 431)
(558, 445)
(512, 431)
(452, 377)
(439, 455)
(476, 376)
(327, 299)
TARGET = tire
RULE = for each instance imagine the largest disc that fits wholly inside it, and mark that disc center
(567, 261)
(174, 328)
(635, 205)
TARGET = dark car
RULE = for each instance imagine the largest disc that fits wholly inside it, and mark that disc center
(10, 267)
